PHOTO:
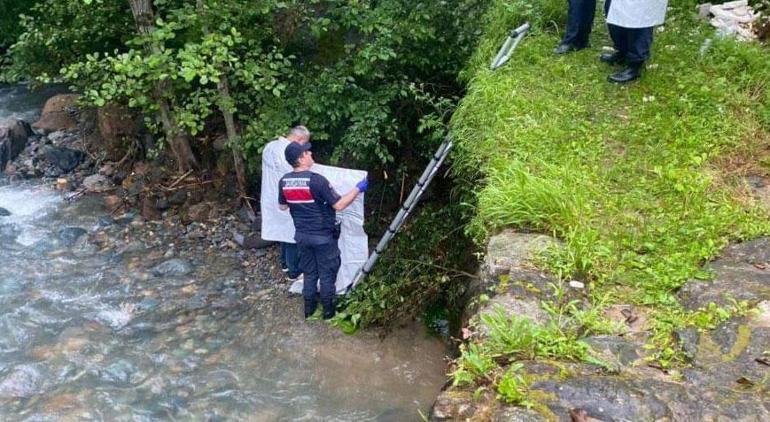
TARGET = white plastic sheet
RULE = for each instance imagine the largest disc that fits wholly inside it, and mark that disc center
(637, 13)
(278, 226)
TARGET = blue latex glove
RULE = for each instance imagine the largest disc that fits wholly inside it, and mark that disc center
(363, 185)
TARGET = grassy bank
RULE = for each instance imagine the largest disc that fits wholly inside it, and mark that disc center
(644, 182)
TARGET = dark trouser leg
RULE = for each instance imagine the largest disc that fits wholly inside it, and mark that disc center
(328, 265)
(291, 255)
(618, 36)
(616, 33)
(283, 255)
(638, 45)
(309, 265)
(580, 20)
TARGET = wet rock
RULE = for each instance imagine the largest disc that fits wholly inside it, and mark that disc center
(63, 184)
(120, 372)
(197, 213)
(4, 212)
(13, 139)
(251, 241)
(510, 249)
(23, 381)
(178, 197)
(511, 306)
(172, 268)
(58, 136)
(149, 210)
(57, 114)
(64, 158)
(453, 406)
(688, 339)
(742, 273)
(518, 414)
(616, 351)
(162, 204)
(112, 202)
(70, 235)
(97, 183)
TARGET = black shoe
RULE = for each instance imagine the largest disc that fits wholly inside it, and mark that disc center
(613, 58)
(626, 75)
(566, 48)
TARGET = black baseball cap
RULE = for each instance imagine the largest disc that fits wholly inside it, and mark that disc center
(294, 150)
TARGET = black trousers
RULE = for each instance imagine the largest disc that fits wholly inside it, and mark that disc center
(580, 20)
(320, 264)
(634, 43)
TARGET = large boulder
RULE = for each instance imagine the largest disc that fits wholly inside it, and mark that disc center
(57, 114)
(13, 139)
(117, 127)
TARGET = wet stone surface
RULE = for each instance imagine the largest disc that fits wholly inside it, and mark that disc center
(729, 378)
(125, 319)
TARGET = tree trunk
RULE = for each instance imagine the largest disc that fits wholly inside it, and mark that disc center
(225, 100)
(232, 136)
(177, 139)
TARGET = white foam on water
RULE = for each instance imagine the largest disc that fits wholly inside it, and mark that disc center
(26, 205)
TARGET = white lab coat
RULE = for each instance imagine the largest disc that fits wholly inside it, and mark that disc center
(637, 13)
(278, 227)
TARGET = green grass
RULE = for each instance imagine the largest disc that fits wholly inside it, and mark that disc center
(643, 182)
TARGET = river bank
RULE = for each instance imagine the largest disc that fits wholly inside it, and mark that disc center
(107, 314)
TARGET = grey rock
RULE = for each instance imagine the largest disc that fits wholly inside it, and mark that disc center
(510, 249)
(13, 139)
(23, 381)
(64, 158)
(4, 212)
(172, 268)
(119, 372)
(97, 183)
(251, 241)
(177, 198)
(688, 339)
(70, 235)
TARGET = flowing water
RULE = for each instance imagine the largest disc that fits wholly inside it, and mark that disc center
(89, 332)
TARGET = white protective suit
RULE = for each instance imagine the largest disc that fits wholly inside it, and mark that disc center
(637, 13)
(277, 225)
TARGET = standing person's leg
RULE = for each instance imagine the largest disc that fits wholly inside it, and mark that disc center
(328, 266)
(284, 267)
(309, 267)
(638, 43)
(292, 260)
(580, 20)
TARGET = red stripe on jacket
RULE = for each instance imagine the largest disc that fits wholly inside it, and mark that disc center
(302, 194)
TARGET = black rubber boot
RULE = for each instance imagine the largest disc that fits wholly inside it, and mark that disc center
(566, 48)
(633, 71)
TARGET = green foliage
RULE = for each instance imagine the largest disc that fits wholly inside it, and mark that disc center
(421, 264)
(9, 20)
(512, 388)
(515, 337)
(474, 364)
(638, 180)
(55, 33)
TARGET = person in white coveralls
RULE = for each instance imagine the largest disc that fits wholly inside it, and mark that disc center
(273, 166)
(631, 24)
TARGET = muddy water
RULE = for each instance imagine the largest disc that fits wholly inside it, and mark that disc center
(90, 329)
